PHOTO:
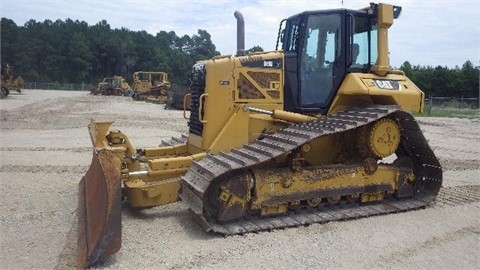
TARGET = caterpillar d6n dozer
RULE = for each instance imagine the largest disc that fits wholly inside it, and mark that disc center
(113, 86)
(318, 130)
(151, 86)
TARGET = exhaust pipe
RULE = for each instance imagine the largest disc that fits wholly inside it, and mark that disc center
(240, 33)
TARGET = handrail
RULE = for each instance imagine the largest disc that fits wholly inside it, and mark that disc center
(200, 108)
(185, 105)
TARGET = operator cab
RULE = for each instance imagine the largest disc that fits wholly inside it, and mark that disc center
(320, 48)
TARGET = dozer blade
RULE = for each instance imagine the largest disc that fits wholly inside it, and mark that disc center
(99, 210)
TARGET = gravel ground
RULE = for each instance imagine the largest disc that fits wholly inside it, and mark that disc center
(45, 150)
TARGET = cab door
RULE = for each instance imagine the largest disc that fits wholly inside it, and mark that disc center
(321, 61)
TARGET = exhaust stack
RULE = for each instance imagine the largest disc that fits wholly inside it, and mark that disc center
(240, 33)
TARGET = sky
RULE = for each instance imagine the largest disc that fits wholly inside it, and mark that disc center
(428, 32)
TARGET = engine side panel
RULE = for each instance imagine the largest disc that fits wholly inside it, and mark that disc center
(221, 87)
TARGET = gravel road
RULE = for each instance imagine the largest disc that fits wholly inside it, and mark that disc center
(45, 150)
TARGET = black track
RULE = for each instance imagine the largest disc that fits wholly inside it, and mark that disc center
(427, 170)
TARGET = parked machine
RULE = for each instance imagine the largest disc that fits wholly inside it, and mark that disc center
(178, 98)
(9, 82)
(318, 130)
(151, 86)
(113, 86)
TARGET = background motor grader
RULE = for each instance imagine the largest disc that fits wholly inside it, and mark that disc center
(320, 130)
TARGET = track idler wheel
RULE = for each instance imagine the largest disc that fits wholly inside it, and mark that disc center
(381, 139)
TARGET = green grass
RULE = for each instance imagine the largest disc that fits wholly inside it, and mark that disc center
(451, 112)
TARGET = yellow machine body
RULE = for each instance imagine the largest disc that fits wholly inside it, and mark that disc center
(112, 86)
(151, 86)
(228, 123)
(9, 82)
(248, 153)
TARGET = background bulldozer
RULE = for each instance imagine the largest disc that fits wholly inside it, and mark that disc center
(113, 86)
(178, 97)
(151, 86)
(9, 82)
(318, 130)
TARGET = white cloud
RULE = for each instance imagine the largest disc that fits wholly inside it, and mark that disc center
(427, 32)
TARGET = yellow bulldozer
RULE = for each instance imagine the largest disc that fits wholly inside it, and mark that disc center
(178, 97)
(113, 86)
(319, 129)
(9, 82)
(151, 86)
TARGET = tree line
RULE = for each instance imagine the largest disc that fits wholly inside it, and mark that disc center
(75, 52)
(444, 81)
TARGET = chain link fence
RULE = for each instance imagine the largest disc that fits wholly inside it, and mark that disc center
(452, 107)
(452, 102)
(59, 86)
(430, 102)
